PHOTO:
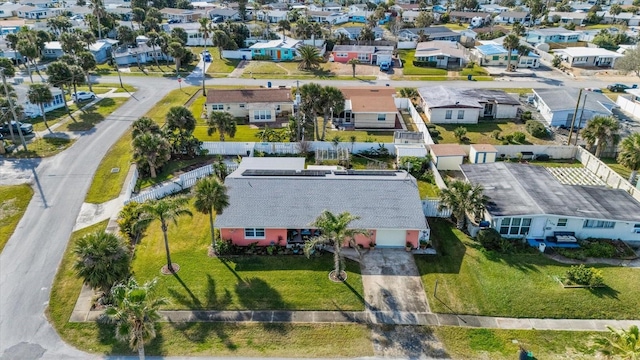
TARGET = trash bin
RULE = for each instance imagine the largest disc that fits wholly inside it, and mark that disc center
(269, 84)
(469, 77)
(244, 57)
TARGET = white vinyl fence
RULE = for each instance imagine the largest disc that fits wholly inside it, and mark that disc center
(604, 172)
(185, 181)
(430, 209)
(228, 148)
(416, 119)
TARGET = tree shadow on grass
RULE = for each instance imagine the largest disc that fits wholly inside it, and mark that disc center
(89, 118)
(522, 263)
(449, 247)
(201, 332)
(106, 336)
(257, 294)
(191, 301)
(605, 292)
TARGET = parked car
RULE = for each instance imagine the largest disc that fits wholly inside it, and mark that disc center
(26, 128)
(206, 56)
(174, 21)
(83, 96)
(620, 87)
(385, 66)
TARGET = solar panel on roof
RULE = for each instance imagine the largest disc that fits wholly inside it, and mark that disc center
(272, 172)
(367, 172)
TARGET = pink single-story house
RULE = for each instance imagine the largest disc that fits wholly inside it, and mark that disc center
(275, 201)
(366, 54)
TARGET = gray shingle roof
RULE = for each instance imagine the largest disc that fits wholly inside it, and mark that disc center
(441, 96)
(519, 189)
(565, 99)
(285, 202)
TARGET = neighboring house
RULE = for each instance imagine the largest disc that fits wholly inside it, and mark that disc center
(578, 18)
(558, 106)
(552, 35)
(321, 16)
(11, 26)
(141, 54)
(368, 108)
(353, 32)
(224, 14)
(39, 3)
(433, 32)
(469, 16)
(588, 57)
(360, 16)
(443, 105)
(447, 156)
(280, 49)
(9, 9)
(33, 110)
(409, 16)
(272, 16)
(52, 50)
(493, 8)
(527, 201)
(628, 18)
(35, 13)
(181, 14)
(445, 54)
(256, 105)
(358, 7)
(194, 36)
(496, 55)
(332, 7)
(101, 50)
(510, 17)
(366, 54)
(123, 13)
(482, 153)
(271, 205)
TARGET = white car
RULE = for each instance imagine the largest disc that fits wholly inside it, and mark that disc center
(83, 95)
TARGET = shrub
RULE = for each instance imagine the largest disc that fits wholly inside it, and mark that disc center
(489, 239)
(460, 132)
(519, 137)
(535, 128)
(417, 166)
(576, 254)
(600, 249)
(496, 134)
(508, 139)
(582, 275)
(470, 65)
(526, 116)
(430, 64)
(557, 61)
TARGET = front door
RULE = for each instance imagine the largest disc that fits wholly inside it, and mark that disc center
(488, 110)
(279, 54)
(537, 228)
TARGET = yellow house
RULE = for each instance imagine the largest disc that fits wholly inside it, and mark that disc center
(254, 105)
(368, 108)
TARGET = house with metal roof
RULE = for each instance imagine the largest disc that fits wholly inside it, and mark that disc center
(278, 206)
(353, 32)
(260, 106)
(279, 49)
(558, 106)
(529, 201)
(444, 54)
(444, 105)
(588, 57)
(433, 32)
(552, 35)
(511, 17)
(493, 54)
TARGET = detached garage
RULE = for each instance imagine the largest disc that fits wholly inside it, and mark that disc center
(447, 156)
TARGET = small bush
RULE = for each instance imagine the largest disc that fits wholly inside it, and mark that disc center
(581, 275)
(489, 239)
(535, 128)
(496, 134)
(576, 254)
(470, 65)
(507, 139)
(526, 116)
(430, 64)
(519, 137)
(600, 249)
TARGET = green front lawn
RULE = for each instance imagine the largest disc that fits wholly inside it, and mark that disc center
(220, 66)
(407, 57)
(169, 171)
(244, 133)
(53, 117)
(101, 88)
(245, 282)
(43, 147)
(475, 71)
(201, 339)
(466, 343)
(482, 132)
(88, 118)
(471, 281)
(13, 203)
(106, 185)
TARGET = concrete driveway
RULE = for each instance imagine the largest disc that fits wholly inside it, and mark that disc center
(393, 289)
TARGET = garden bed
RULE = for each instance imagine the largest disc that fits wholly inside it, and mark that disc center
(593, 248)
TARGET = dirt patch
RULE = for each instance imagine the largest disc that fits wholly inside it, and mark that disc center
(412, 342)
(361, 69)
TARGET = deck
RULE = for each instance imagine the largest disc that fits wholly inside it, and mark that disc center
(536, 242)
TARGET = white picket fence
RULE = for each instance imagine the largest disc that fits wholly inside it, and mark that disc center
(228, 148)
(289, 148)
(185, 181)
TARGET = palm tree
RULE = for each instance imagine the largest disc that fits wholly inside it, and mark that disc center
(30, 51)
(629, 155)
(180, 118)
(463, 199)
(353, 62)
(621, 342)
(135, 312)
(177, 51)
(86, 62)
(164, 210)
(615, 10)
(40, 94)
(331, 101)
(154, 40)
(60, 75)
(223, 123)
(144, 125)
(284, 25)
(309, 57)
(511, 42)
(152, 150)
(600, 131)
(220, 39)
(335, 230)
(102, 260)
(211, 196)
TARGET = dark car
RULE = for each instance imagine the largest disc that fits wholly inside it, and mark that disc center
(26, 128)
(620, 87)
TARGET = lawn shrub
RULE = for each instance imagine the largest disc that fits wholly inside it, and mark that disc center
(526, 116)
(519, 137)
(581, 275)
(600, 249)
(490, 239)
(535, 128)
(431, 64)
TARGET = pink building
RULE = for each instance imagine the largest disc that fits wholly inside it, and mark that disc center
(366, 54)
(275, 204)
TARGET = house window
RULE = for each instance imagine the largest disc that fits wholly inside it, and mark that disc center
(254, 233)
(515, 226)
(514, 57)
(241, 106)
(496, 57)
(636, 228)
(363, 57)
(341, 54)
(448, 114)
(262, 115)
(382, 117)
(277, 107)
(217, 107)
(460, 114)
(562, 222)
(599, 224)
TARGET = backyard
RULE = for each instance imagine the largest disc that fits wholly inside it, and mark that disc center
(483, 133)
(473, 281)
(289, 70)
(13, 203)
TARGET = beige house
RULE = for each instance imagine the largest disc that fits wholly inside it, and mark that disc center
(254, 105)
(368, 108)
(447, 156)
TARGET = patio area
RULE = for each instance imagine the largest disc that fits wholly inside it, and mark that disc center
(552, 243)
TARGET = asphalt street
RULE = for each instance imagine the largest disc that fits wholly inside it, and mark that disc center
(30, 259)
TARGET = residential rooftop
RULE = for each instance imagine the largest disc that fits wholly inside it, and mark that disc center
(566, 98)
(248, 95)
(440, 96)
(447, 150)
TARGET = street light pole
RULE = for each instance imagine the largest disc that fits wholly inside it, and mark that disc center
(580, 120)
(13, 110)
(575, 113)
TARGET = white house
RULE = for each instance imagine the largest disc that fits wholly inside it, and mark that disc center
(445, 54)
(557, 106)
(493, 54)
(35, 13)
(510, 17)
(444, 105)
(588, 56)
(9, 9)
(527, 201)
(33, 110)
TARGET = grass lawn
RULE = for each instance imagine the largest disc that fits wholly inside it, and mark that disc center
(407, 57)
(427, 190)
(475, 71)
(53, 117)
(87, 119)
(43, 147)
(245, 282)
(244, 133)
(373, 137)
(197, 106)
(202, 339)
(101, 88)
(177, 97)
(219, 66)
(472, 281)
(107, 185)
(621, 170)
(611, 95)
(482, 132)
(455, 26)
(263, 67)
(169, 170)
(465, 343)
(13, 203)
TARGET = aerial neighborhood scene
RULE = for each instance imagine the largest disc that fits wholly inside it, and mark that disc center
(353, 179)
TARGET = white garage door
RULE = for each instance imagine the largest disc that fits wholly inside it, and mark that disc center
(396, 238)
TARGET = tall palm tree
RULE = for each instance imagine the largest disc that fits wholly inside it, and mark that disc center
(135, 312)
(87, 62)
(335, 230)
(164, 210)
(211, 196)
(600, 131)
(180, 118)
(144, 125)
(463, 199)
(220, 39)
(331, 101)
(353, 62)
(284, 25)
(30, 51)
(621, 342)
(223, 123)
(60, 75)
(40, 94)
(629, 155)
(102, 260)
(511, 42)
(205, 31)
(309, 57)
(154, 40)
(152, 150)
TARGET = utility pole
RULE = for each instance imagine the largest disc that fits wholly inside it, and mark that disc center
(575, 113)
(580, 120)
(296, 104)
(115, 63)
(13, 110)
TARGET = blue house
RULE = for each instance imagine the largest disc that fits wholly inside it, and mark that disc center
(278, 50)
(552, 35)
